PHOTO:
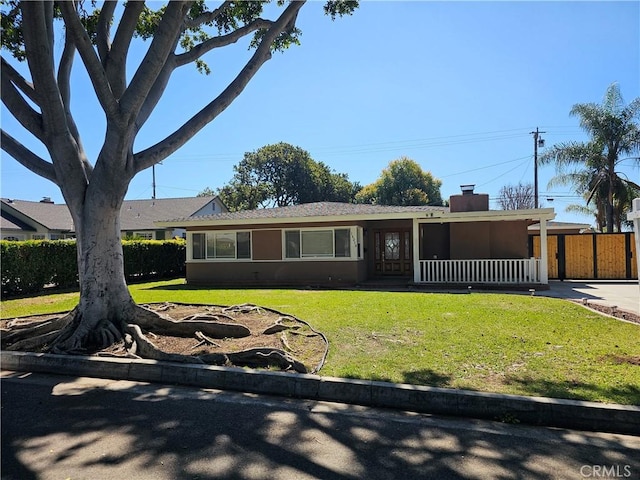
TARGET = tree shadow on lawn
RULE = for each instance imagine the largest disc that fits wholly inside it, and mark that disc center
(426, 377)
(628, 394)
(61, 428)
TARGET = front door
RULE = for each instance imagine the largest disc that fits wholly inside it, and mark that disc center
(392, 252)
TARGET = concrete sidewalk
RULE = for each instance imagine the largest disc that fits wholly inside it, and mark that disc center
(624, 294)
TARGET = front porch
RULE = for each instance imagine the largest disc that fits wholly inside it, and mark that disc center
(510, 271)
(479, 249)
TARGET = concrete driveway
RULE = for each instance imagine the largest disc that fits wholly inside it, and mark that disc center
(625, 294)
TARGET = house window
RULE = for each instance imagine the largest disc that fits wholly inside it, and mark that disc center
(320, 243)
(143, 235)
(38, 237)
(221, 245)
(316, 243)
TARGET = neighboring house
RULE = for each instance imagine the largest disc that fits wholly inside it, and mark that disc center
(45, 220)
(337, 243)
(557, 228)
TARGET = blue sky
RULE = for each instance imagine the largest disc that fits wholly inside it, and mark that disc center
(456, 86)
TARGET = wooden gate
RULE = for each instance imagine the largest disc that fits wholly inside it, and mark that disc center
(588, 256)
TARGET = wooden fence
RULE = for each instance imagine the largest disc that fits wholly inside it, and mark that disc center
(588, 256)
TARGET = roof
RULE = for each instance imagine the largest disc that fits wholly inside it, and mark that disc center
(50, 215)
(141, 214)
(333, 211)
(307, 210)
(134, 215)
(562, 226)
(9, 222)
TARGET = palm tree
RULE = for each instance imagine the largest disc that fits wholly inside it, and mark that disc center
(615, 136)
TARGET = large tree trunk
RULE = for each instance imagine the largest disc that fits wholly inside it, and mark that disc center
(105, 302)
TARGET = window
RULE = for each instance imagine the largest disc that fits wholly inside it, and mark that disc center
(316, 243)
(221, 245)
(198, 241)
(322, 243)
(292, 243)
(343, 243)
(143, 235)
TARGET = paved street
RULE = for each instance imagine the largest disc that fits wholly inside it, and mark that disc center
(56, 427)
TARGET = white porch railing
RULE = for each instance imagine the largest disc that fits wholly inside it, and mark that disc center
(502, 271)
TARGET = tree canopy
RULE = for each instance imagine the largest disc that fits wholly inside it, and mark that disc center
(403, 183)
(516, 197)
(280, 175)
(128, 88)
(591, 168)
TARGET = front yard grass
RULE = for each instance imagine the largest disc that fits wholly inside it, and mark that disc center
(493, 342)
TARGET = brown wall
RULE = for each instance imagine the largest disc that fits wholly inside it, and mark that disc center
(435, 241)
(509, 240)
(477, 202)
(276, 273)
(470, 240)
(478, 240)
(266, 244)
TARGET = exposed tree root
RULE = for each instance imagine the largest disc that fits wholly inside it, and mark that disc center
(204, 340)
(142, 346)
(132, 338)
(163, 325)
(257, 358)
(243, 308)
(19, 332)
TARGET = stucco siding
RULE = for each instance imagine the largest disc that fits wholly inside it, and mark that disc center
(277, 273)
(267, 244)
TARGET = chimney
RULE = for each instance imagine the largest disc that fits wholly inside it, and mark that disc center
(469, 201)
(46, 200)
(467, 189)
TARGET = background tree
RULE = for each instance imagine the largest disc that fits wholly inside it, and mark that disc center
(280, 175)
(180, 33)
(516, 197)
(403, 182)
(614, 136)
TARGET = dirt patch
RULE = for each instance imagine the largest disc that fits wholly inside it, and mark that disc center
(612, 311)
(621, 359)
(269, 330)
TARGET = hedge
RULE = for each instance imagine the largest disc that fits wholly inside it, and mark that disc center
(27, 267)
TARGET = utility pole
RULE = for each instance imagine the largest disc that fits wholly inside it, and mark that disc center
(153, 170)
(537, 141)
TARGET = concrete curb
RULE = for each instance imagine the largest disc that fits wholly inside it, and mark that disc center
(554, 412)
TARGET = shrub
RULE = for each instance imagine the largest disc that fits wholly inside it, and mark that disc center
(29, 267)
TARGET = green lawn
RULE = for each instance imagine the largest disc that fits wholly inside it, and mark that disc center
(489, 342)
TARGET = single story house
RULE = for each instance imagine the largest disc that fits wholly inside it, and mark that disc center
(46, 220)
(561, 228)
(329, 243)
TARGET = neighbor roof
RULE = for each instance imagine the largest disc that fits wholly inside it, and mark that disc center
(134, 215)
(52, 216)
(141, 214)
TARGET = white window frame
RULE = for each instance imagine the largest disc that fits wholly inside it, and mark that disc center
(214, 233)
(355, 247)
(145, 235)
